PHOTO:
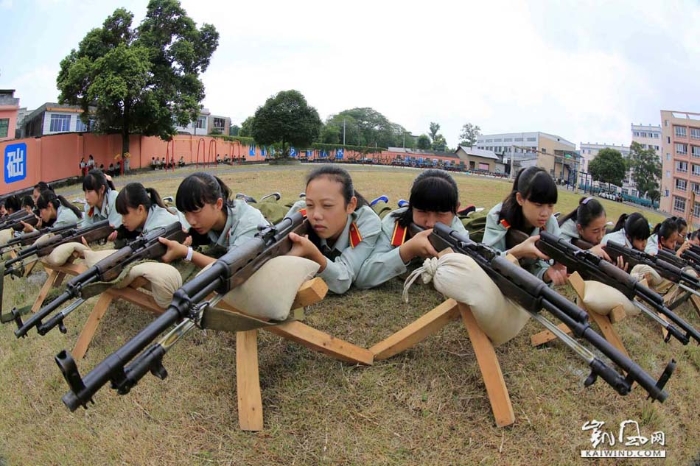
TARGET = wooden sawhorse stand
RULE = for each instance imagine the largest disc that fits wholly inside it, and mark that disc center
(604, 322)
(483, 349)
(250, 412)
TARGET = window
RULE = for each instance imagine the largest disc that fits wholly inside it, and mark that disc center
(681, 167)
(643, 134)
(4, 127)
(695, 133)
(695, 187)
(657, 148)
(682, 185)
(498, 140)
(668, 173)
(59, 123)
(696, 210)
(696, 170)
(695, 151)
(219, 123)
(636, 133)
(531, 139)
(80, 126)
(668, 157)
(201, 122)
(508, 140)
(678, 204)
(681, 148)
(544, 150)
(680, 131)
(518, 139)
(668, 138)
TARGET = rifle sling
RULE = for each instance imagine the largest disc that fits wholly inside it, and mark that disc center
(227, 320)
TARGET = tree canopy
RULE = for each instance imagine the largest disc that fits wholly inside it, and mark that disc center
(286, 119)
(608, 167)
(140, 80)
(646, 170)
(469, 134)
(423, 142)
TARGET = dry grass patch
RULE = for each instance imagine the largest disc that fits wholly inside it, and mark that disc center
(427, 405)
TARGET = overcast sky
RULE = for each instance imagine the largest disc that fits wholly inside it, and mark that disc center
(584, 70)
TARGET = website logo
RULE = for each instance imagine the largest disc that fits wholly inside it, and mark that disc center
(627, 438)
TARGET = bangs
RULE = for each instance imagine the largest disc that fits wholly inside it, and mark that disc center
(434, 195)
(542, 190)
(191, 195)
(122, 203)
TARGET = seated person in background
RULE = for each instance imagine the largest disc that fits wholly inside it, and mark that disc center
(529, 208)
(664, 236)
(182, 161)
(631, 231)
(694, 238)
(227, 159)
(434, 198)
(344, 227)
(154, 163)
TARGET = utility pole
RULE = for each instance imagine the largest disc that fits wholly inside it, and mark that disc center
(343, 131)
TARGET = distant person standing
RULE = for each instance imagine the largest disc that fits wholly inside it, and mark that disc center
(126, 165)
(90, 163)
(83, 167)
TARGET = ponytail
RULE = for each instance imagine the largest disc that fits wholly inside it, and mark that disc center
(49, 197)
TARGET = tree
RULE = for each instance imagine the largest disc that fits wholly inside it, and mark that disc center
(646, 170)
(423, 142)
(140, 80)
(234, 130)
(286, 119)
(608, 167)
(247, 128)
(470, 133)
(439, 143)
(434, 128)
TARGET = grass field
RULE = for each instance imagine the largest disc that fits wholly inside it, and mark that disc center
(427, 405)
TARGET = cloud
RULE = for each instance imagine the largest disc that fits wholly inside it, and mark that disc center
(5, 4)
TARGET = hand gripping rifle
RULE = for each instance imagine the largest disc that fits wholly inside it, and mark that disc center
(29, 219)
(28, 238)
(142, 248)
(666, 269)
(687, 259)
(188, 307)
(592, 267)
(533, 295)
(95, 232)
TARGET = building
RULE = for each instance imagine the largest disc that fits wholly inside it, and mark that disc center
(206, 124)
(680, 148)
(219, 124)
(53, 118)
(588, 153)
(649, 136)
(526, 146)
(9, 108)
(478, 159)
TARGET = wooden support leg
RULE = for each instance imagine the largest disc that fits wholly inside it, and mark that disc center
(323, 342)
(490, 369)
(696, 303)
(250, 411)
(46, 287)
(608, 331)
(417, 331)
(88, 331)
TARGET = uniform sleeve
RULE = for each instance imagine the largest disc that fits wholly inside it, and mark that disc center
(569, 231)
(652, 246)
(114, 217)
(494, 232)
(66, 218)
(340, 274)
(384, 263)
(247, 227)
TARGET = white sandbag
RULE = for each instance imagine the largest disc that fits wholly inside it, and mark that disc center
(93, 257)
(270, 292)
(601, 299)
(164, 279)
(62, 252)
(5, 236)
(458, 277)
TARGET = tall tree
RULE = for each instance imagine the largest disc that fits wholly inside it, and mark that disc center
(646, 170)
(140, 80)
(287, 119)
(247, 128)
(434, 128)
(423, 142)
(234, 130)
(469, 134)
(439, 143)
(608, 167)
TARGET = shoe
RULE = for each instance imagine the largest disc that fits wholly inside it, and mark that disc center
(248, 199)
(276, 195)
(302, 195)
(168, 199)
(466, 211)
(403, 203)
(384, 198)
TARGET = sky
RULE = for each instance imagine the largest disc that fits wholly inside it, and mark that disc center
(583, 70)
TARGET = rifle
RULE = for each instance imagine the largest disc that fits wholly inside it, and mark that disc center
(581, 244)
(666, 269)
(533, 295)
(592, 267)
(29, 238)
(29, 219)
(142, 248)
(188, 306)
(13, 218)
(95, 232)
(692, 257)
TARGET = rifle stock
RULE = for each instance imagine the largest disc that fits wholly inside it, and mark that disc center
(144, 247)
(533, 295)
(592, 267)
(228, 272)
(28, 239)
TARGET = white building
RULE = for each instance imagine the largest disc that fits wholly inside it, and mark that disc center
(588, 153)
(649, 136)
(198, 128)
(53, 118)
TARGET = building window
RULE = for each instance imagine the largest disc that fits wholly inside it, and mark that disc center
(657, 148)
(508, 140)
(201, 122)
(695, 150)
(498, 140)
(682, 185)
(680, 131)
(518, 139)
(531, 139)
(668, 139)
(4, 127)
(678, 204)
(59, 123)
(696, 170)
(695, 133)
(681, 148)
(695, 187)
(80, 126)
(636, 133)
(544, 150)
(681, 167)
(668, 157)
(696, 210)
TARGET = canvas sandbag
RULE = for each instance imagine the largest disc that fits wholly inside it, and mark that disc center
(601, 299)
(5, 236)
(458, 277)
(269, 293)
(164, 279)
(93, 257)
(62, 252)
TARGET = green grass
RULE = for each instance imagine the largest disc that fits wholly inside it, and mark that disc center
(427, 405)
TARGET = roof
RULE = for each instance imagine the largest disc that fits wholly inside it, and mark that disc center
(483, 153)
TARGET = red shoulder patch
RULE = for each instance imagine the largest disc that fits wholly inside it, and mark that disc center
(505, 224)
(303, 212)
(398, 237)
(355, 236)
